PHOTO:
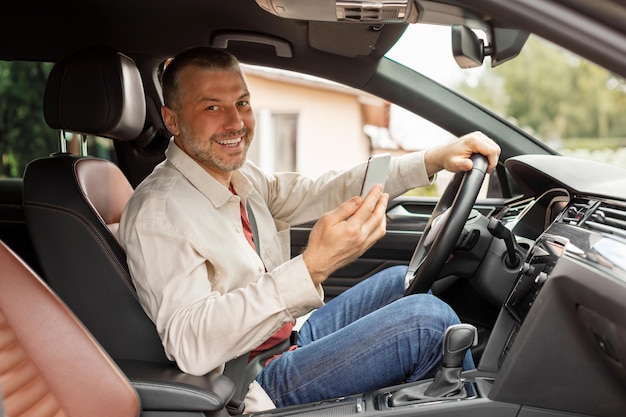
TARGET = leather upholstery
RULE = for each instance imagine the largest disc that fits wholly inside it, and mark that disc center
(106, 189)
(97, 91)
(49, 363)
(80, 257)
(73, 205)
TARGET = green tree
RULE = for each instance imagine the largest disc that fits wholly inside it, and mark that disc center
(23, 131)
(554, 94)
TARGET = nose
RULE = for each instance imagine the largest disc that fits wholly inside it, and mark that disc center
(232, 118)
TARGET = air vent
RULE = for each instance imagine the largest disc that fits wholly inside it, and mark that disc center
(512, 212)
(608, 218)
(577, 211)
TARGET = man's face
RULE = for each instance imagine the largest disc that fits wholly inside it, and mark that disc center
(214, 122)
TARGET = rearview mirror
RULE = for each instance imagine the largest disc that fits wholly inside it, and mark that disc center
(467, 48)
(470, 51)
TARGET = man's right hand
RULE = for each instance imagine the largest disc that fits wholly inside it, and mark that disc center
(342, 235)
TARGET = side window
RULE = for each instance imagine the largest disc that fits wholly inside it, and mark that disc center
(94, 146)
(276, 142)
(300, 120)
(310, 125)
(24, 134)
(286, 135)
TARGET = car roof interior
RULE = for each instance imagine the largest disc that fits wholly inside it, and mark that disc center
(164, 27)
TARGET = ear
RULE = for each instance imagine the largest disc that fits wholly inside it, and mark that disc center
(170, 118)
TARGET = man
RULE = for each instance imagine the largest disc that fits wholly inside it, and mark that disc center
(194, 261)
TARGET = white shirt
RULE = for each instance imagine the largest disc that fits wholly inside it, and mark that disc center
(197, 276)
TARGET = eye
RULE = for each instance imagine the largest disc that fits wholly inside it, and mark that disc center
(211, 108)
(243, 103)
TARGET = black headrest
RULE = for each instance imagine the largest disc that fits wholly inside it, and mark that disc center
(97, 91)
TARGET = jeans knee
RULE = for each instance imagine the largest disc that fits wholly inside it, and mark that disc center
(397, 274)
(399, 269)
(431, 309)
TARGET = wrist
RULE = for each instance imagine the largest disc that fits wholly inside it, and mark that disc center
(432, 161)
(318, 275)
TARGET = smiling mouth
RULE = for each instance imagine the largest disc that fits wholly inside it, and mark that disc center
(230, 142)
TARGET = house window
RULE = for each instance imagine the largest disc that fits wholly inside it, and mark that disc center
(274, 148)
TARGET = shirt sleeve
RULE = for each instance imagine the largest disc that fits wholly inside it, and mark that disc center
(296, 199)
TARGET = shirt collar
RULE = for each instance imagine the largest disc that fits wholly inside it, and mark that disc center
(203, 181)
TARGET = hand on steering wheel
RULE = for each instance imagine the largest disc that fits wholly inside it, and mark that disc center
(444, 227)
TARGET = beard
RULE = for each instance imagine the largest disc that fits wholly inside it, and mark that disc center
(203, 151)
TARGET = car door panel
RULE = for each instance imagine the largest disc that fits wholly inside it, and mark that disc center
(406, 220)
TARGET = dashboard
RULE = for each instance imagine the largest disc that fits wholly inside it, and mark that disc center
(560, 339)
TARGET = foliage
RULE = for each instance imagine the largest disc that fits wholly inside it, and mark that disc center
(428, 191)
(23, 130)
(593, 144)
(554, 94)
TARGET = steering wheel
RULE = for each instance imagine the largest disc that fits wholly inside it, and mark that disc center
(445, 226)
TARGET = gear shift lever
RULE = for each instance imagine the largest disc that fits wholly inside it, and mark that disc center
(448, 382)
(457, 339)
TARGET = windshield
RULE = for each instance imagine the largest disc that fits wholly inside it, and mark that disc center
(570, 104)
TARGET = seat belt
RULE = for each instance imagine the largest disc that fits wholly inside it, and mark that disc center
(235, 369)
(255, 231)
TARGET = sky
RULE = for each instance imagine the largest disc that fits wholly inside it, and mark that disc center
(427, 49)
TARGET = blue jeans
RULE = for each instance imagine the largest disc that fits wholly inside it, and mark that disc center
(369, 337)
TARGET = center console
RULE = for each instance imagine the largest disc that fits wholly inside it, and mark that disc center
(552, 351)
(472, 397)
(539, 264)
(555, 341)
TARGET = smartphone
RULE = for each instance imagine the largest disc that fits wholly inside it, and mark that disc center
(375, 172)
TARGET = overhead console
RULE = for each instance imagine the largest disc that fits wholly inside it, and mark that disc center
(381, 11)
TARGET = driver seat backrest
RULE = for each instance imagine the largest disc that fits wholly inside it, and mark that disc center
(73, 204)
(49, 363)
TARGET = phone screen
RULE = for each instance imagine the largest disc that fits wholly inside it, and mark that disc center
(375, 172)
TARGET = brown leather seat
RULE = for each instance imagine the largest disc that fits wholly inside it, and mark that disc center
(73, 204)
(49, 363)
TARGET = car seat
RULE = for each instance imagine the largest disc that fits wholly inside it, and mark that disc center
(72, 204)
(49, 363)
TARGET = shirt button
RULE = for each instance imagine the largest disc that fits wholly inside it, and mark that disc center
(238, 229)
